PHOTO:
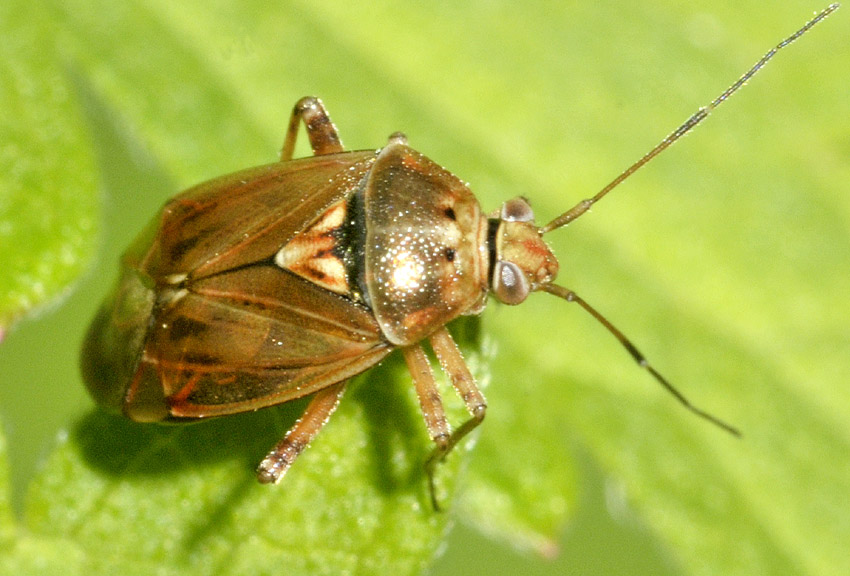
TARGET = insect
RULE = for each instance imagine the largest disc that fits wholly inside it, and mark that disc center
(285, 280)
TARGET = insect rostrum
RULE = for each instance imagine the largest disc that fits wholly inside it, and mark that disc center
(286, 280)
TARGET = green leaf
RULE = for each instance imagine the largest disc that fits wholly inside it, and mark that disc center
(47, 209)
(173, 500)
(25, 554)
(722, 260)
(7, 524)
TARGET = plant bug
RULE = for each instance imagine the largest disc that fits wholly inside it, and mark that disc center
(285, 280)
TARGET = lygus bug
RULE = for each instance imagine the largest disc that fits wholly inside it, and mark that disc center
(286, 280)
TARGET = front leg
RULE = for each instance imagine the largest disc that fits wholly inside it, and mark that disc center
(452, 362)
(431, 404)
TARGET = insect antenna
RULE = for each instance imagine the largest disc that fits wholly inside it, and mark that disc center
(689, 124)
(571, 296)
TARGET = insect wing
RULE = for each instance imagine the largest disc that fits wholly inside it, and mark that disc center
(229, 330)
(251, 338)
(245, 217)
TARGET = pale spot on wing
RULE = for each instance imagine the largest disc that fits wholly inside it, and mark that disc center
(310, 254)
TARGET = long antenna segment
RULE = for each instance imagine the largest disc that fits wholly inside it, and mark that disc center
(689, 124)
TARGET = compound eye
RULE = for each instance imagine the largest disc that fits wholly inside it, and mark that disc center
(509, 283)
(517, 210)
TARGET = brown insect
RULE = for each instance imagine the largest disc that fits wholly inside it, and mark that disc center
(288, 279)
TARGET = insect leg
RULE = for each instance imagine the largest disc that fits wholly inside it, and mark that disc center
(323, 135)
(277, 462)
(432, 410)
(458, 372)
(429, 396)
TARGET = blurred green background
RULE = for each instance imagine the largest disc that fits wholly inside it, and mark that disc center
(725, 260)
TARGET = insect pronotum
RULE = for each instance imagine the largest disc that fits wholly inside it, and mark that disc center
(286, 280)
